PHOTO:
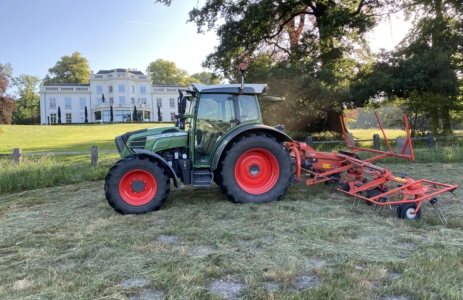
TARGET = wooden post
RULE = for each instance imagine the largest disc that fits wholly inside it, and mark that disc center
(430, 140)
(309, 141)
(17, 155)
(376, 142)
(94, 154)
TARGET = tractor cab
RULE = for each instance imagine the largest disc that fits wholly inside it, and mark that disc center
(215, 111)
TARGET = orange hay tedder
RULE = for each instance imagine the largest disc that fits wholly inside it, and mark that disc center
(363, 180)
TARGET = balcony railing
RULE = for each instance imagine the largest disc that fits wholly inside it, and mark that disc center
(117, 105)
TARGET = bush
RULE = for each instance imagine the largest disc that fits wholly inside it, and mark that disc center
(316, 136)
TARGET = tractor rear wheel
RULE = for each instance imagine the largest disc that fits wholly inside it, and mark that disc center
(256, 169)
(137, 185)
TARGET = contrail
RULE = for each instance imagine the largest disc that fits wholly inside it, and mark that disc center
(146, 23)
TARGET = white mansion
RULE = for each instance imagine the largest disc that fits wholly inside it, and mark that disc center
(125, 90)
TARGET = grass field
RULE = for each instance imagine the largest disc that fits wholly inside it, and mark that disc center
(67, 243)
(64, 138)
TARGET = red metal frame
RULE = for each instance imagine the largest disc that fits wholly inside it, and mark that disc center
(362, 176)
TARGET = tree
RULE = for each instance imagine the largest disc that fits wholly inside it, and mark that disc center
(165, 72)
(438, 36)
(309, 44)
(7, 102)
(28, 111)
(206, 78)
(70, 69)
(421, 76)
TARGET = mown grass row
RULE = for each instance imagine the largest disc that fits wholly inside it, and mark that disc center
(68, 243)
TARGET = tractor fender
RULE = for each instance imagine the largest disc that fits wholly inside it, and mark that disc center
(281, 136)
(161, 159)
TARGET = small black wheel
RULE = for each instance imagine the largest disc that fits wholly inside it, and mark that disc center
(137, 185)
(405, 211)
(345, 186)
(371, 194)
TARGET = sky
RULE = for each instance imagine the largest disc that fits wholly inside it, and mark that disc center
(117, 34)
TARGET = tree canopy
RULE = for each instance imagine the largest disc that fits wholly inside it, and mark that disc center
(315, 54)
(166, 72)
(422, 76)
(70, 69)
(7, 102)
(28, 102)
(307, 44)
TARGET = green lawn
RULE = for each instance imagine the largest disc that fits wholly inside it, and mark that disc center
(64, 138)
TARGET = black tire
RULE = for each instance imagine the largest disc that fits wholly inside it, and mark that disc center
(256, 169)
(137, 185)
(371, 194)
(404, 211)
(345, 187)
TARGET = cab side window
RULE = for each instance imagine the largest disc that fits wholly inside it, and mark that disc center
(248, 108)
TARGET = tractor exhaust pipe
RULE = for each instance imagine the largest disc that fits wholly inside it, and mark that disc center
(242, 69)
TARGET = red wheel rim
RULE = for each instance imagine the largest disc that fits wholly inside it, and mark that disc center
(257, 171)
(138, 187)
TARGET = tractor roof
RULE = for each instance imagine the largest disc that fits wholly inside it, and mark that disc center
(231, 88)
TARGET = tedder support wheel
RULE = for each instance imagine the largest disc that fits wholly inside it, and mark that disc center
(404, 211)
(371, 194)
(256, 169)
(137, 185)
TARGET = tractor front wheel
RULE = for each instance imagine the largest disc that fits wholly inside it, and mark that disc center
(136, 185)
(256, 169)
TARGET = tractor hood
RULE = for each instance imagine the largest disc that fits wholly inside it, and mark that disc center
(151, 139)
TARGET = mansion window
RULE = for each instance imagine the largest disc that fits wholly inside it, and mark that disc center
(132, 89)
(132, 100)
(143, 90)
(98, 100)
(172, 102)
(67, 103)
(53, 103)
(99, 89)
(172, 116)
(159, 102)
(53, 118)
(143, 100)
(110, 88)
(121, 88)
(68, 118)
(121, 100)
(83, 102)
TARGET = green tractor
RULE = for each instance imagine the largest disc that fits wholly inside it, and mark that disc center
(225, 142)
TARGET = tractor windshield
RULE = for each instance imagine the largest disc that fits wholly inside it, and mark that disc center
(215, 115)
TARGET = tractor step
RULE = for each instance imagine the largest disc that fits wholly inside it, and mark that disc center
(202, 177)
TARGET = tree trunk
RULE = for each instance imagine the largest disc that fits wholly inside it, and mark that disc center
(435, 122)
(334, 121)
(446, 120)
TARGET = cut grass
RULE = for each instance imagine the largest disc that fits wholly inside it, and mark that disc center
(68, 243)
